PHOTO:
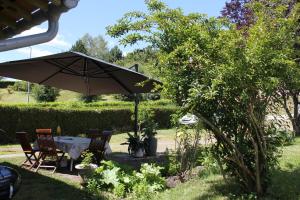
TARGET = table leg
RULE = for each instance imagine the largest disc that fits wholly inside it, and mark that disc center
(71, 164)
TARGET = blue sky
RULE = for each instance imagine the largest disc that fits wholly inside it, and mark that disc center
(92, 16)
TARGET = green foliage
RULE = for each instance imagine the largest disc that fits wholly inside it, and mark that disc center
(43, 93)
(122, 182)
(79, 46)
(147, 123)
(87, 158)
(21, 86)
(145, 58)
(115, 54)
(228, 79)
(96, 46)
(89, 98)
(76, 118)
(5, 84)
(134, 142)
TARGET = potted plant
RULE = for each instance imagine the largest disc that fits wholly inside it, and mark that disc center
(148, 126)
(135, 145)
(150, 142)
(86, 167)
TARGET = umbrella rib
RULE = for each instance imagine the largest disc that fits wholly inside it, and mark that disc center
(99, 73)
(46, 79)
(65, 67)
(113, 77)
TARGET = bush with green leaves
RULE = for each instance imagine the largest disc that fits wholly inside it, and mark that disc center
(123, 181)
(75, 118)
(43, 93)
(88, 98)
(228, 79)
(21, 86)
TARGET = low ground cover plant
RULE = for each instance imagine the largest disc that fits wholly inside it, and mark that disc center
(122, 181)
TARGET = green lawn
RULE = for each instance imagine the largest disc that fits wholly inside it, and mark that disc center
(285, 182)
(285, 185)
(64, 96)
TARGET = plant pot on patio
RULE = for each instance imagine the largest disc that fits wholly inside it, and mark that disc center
(138, 153)
(85, 171)
(150, 146)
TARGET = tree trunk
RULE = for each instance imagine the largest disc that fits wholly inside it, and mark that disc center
(296, 118)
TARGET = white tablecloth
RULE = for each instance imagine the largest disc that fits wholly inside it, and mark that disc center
(74, 146)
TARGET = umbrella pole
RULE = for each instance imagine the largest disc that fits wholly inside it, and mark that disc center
(136, 105)
(136, 109)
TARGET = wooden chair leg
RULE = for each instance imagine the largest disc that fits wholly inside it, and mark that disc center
(35, 162)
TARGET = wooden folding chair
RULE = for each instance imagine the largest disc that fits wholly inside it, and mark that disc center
(29, 152)
(47, 149)
(97, 145)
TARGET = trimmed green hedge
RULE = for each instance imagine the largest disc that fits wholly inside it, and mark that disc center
(75, 120)
(5, 84)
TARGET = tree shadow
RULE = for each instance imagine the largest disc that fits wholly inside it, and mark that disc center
(220, 188)
(36, 186)
(285, 183)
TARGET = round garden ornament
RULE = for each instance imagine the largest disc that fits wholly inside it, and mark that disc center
(188, 119)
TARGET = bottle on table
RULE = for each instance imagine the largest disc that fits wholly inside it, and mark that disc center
(58, 131)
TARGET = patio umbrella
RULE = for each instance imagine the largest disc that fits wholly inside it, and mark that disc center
(80, 73)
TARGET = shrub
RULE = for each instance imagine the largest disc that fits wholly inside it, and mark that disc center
(10, 89)
(43, 93)
(112, 177)
(20, 86)
(88, 98)
(5, 84)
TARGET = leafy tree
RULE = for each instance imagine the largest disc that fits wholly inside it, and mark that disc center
(79, 46)
(43, 93)
(227, 80)
(241, 13)
(238, 13)
(115, 54)
(89, 98)
(96, 46)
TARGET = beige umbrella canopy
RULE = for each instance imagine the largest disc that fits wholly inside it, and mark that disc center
(80, 73)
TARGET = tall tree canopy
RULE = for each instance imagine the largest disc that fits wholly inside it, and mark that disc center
(241, 13)
(96, 46)
(226, 79)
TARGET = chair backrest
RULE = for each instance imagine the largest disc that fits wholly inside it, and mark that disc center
(43, 130)
(93, 133)
(45, 141)
(98, 143)
(23, 140)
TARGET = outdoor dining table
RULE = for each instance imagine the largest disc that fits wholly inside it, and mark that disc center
(74, 146)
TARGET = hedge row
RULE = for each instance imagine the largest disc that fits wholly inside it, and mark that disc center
(73, 121)
(5, 84)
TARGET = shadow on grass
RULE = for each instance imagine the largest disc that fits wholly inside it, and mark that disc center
(285, 185)
(36, 186)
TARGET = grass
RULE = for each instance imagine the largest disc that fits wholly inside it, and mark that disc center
(44, 185)
(285, 180)
(64, 96)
